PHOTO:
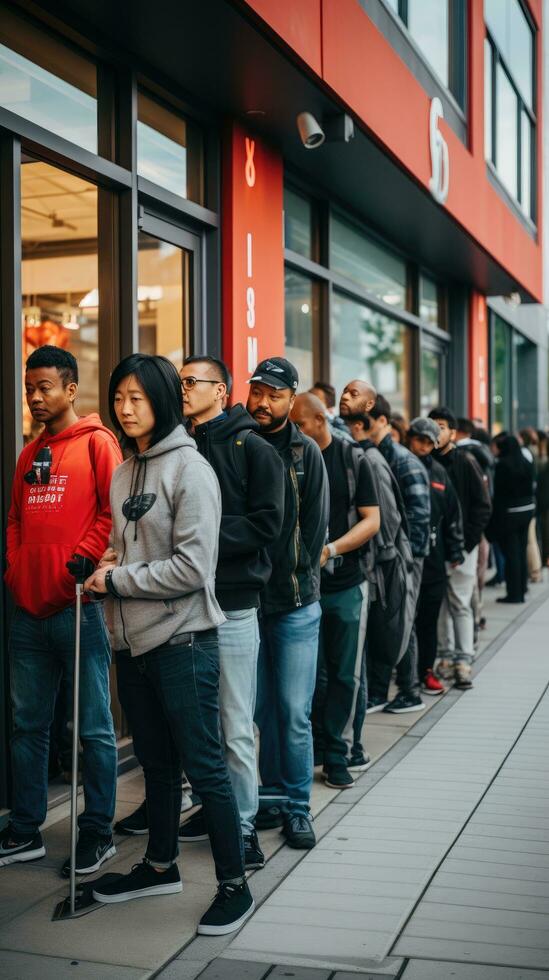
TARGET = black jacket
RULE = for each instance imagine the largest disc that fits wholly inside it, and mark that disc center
(251, 477)
(483, 456)
(446, 524)
(295, 556)
(472, 492)
(513, 496)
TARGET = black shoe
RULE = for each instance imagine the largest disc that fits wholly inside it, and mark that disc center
(507, 599)
(229, 910)
(268, 817)
(253, 855)
(136, 823)
(403, 703)
(375, 703)
(298, 830)
(359, 763)
(338, 777)
(16, 847)
(92, 850)
(193, 829)
(142, 881)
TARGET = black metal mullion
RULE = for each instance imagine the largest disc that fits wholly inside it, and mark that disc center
(128, 217)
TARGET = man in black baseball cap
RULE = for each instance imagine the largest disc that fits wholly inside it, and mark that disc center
(290, 607)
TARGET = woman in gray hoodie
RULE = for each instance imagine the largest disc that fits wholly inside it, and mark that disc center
(159, 577)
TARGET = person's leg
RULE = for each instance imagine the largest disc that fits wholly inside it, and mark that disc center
(294, 641)
(238, 639)
(157, 754)
(378, 674)
(344, 629)
(186, 680)
(426, 629)
(513, 563)
(265, 707)
(407, 672)
(319, 699)
(524, 534)
(34, 678)
(460, 587)
(99, 758)
(357, 751)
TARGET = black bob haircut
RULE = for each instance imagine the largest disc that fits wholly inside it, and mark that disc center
(55, 357)
(216, 362)
(441, 412)
(162, 385)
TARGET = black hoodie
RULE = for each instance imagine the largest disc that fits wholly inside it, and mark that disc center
(251, 477)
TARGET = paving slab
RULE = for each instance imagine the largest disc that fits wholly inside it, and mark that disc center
(443, 970)
(234, 970)
(25, 966)
(298, 973)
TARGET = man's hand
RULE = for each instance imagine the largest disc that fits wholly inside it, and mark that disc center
(324, 555)
(96, 582)
(109, 557)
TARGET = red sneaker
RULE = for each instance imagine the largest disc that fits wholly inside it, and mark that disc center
(431, 684)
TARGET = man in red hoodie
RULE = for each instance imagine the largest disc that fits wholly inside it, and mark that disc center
(59, 513)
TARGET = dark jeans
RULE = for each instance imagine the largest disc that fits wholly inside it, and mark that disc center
(361, 703)
(170, 696)
(428, 608)
(41, 653)
(514, 544)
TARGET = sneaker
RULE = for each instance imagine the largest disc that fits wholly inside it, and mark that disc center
(253, 855)
(194, 829)
(375, 703)
(137, 822)
(16, 847)
(229, 910)
(92, 850)
(298, 830)
(445, 670)
(404, 703)
(338, 777)
(431, 684)
(142, 881)
(268, 817)
(188, 800)
(359, 763)
(463, 676)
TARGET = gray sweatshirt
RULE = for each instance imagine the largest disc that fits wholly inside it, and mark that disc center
(166, 510)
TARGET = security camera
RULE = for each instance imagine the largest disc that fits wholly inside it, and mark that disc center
(310, 131)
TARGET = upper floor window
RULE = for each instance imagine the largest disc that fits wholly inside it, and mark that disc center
(169, 149)
(509, 98)
(299, 224)
(438, 29)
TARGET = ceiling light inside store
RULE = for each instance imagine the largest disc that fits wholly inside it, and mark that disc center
(305, 308)
(144, 294)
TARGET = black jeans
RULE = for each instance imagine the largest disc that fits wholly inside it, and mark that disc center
(514, 544)
(170, 696)
(428, 608)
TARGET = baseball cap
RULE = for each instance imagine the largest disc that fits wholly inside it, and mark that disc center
(276, 372)
(425, 427)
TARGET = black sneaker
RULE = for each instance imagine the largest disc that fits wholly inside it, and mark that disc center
(375, 703)
(92, 850)
(359, 763)
(338, 777)
(229, 910)
(253, 855)
(16, 847)
(194, 829)
(142, 881)
(298, 830)
(137, 822)
(268, 817)
(404, 703)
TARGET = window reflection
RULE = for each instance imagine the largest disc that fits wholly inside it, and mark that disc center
(169, 149)
(163, 299)
(301, 305)
(428, 25)
(370, 265)
(431, 375)
(506, 144)
(298, 220)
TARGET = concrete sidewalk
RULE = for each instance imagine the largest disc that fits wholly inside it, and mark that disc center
(138, 938)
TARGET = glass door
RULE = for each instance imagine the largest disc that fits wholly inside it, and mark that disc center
(432, 373)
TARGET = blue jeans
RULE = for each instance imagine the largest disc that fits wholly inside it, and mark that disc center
(286, 678)
(238, 639)
(41, 650)
(170, 696)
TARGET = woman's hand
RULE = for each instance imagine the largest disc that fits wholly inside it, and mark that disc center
(109, 557)
(96, 582)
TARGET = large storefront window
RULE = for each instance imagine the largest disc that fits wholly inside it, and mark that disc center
(59, 274)
(47, 82)
(366, 344)
(525, 401)
(163, 299)
(501, 375)
(301, 312)
(374, 268)
(169, 150)
(431, 378)
(299, 230)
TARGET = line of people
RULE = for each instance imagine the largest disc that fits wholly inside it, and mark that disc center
(262, 567)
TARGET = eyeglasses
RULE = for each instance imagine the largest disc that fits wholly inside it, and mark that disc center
(190, 382)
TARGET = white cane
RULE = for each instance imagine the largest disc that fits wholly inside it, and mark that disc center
(75, 740)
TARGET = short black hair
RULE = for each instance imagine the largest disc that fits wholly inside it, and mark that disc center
(358, 417)
(226, 376)
(465, 425)
(381, 407)
(441, 412)
(482, 435)
(56, 357)
(162, 385)
(328, 390)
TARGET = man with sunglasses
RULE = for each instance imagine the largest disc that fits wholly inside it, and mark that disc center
(59, 519)
(251, 477)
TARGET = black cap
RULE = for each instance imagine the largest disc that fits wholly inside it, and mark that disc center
(276, 372)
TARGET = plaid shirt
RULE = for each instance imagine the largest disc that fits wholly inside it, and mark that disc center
(413, 481)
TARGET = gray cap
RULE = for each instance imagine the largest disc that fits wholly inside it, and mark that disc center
(425, 427)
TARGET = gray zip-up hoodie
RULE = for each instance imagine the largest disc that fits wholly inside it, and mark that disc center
(166, 510)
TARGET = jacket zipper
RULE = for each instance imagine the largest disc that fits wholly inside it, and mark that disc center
(297, 597)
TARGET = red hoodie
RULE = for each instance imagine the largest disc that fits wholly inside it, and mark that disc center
(47, 524)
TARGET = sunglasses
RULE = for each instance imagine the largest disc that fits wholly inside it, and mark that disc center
(188, 383)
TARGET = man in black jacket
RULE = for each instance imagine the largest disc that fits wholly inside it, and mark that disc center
(290, 607)
(251, 478)
(455, 646)
(446, 545)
